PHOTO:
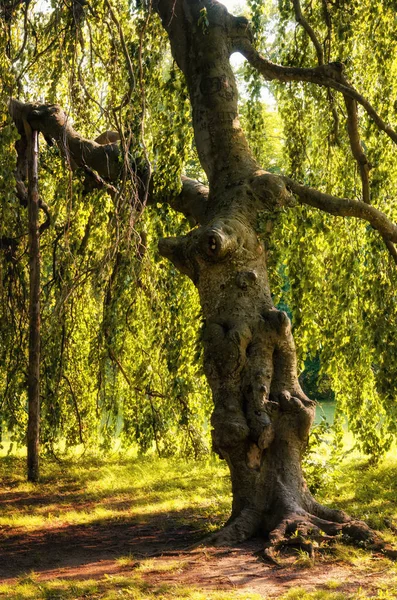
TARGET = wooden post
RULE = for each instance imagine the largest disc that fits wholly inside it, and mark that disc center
(33, 434)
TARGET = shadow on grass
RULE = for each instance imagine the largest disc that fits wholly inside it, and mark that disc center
(66, 497)
(102, 540)
(81, 514)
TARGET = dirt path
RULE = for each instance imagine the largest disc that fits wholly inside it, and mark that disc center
(91, 551)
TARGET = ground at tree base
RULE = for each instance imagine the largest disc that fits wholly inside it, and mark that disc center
(156, 554)
(125, 550)
(115, 526)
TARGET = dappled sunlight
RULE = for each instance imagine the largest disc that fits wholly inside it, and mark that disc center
(368, 492)
(91, 493)
(114, 587)
(110, 529)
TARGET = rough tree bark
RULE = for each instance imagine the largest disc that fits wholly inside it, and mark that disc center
(261, 417)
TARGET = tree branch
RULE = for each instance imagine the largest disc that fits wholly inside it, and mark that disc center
(361, 158)
(343, 207)
(192, 201)
(309, 30)
(356, 147)
(323, 75)
(54, 124)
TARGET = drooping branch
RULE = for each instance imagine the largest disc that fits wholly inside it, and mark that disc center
(320, 53)
(309, 30)
(323, 75)
(352, 117)
(54, 124)
(343, 207)
(361, 159)
(356, 146)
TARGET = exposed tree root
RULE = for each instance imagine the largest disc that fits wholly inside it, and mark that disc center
(307, 532)
(236, 531)
(301, 531)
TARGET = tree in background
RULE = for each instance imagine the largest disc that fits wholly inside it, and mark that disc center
(247, 217)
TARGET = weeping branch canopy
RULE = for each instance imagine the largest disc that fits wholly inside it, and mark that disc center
(116, 66)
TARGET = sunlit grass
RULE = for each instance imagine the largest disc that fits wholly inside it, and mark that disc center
(366, 491)
(172, 566)
(115, 588)
(114, 489)
(195, 493)
(388, 593)
(134, 587)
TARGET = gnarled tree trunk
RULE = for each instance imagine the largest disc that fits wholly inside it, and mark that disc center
(261, 417)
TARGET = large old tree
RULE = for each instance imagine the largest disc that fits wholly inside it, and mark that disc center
(261, 417)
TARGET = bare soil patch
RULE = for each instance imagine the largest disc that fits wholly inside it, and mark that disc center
(89, 551)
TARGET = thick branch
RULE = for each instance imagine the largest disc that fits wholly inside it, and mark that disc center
(343, 207)
(361, 158)
(192, 201)
(391, 248)
(54, 124)
(356, 147)
(324, 75)
(362, 161)
(22, 195)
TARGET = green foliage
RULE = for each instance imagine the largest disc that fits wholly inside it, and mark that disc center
(120, 327)
(341, 279)
(324, 452)
(120, 355)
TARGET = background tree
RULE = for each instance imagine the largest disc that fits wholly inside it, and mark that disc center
(261, 417)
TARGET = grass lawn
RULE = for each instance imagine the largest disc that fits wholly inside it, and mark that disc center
(120, 528)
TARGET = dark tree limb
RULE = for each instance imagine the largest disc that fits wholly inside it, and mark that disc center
(309, 30)
(343, 207)
(362, 162)
(22, 195)
(55, 124)
(361, 158)
(323, 75)
(34, 308)
(356, 147)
